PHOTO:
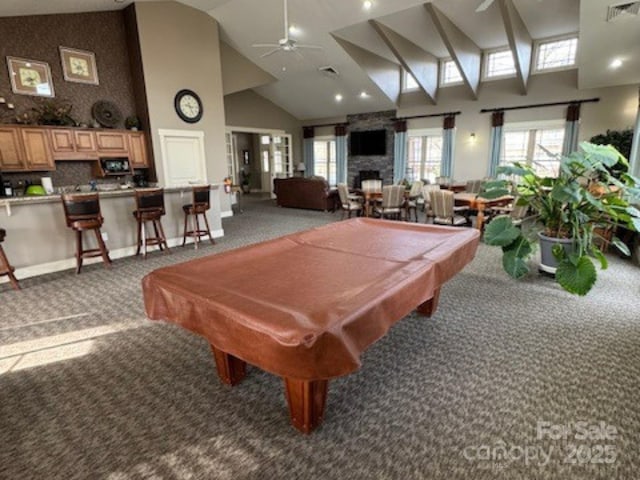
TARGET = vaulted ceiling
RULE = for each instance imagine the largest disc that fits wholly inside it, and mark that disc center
(366, 47)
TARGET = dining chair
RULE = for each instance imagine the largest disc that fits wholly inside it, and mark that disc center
(349, 202)
(444, 210)
(392, 202)
(415, 199)
(426, 194)
(517, 212)
(474, 186)
(371, 186)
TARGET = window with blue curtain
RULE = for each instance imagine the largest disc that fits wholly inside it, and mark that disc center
(399, 151)
(571, 129)
(341, 153)
(308, 134)
(448, 140)
(495, 142)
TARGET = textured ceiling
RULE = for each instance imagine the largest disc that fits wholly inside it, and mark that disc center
(307, 93)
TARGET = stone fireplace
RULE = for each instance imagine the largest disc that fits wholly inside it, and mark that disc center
(382, 165)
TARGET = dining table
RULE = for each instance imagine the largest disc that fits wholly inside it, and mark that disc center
(476, 202)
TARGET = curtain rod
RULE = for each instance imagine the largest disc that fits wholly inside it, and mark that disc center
(539, 105)
(325, 125)
(445, 114)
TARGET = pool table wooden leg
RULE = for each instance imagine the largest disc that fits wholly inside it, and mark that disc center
(306, 399)
(429, 307)
(231, 370)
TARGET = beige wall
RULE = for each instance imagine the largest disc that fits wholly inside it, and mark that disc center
(180, 49)
(248, 109)
(239, 73)
(617, 109)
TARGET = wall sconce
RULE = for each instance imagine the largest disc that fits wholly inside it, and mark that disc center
(472, 137)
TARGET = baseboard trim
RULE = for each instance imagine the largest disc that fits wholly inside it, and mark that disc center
(70, 263)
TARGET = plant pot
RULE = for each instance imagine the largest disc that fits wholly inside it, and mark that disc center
(246, 188)
(548, 262)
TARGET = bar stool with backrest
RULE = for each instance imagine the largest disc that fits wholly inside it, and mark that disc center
(199, 205)
(5, 266)
(150, 208)
(82, 213)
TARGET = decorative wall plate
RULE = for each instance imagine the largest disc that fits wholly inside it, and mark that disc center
(106, 114)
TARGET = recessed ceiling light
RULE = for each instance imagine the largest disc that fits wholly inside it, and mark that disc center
(617, 63)
(367, 4)
(364, 94)
(293, 30)
(338, 97)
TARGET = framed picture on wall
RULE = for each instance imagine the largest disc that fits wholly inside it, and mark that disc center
(30, 77)
(79, 66)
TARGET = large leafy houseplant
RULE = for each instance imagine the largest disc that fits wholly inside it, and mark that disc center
(583, 201)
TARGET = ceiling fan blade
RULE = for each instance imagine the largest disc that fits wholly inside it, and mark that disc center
(266, 45)
(270, 52)
(314, 47)
(484, 5)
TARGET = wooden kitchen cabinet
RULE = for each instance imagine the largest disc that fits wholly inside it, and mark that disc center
(138, 150)
(37, 149)
(112, 144)
(11, 153)
(70, 144)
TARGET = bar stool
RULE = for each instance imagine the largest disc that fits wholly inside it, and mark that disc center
(150, 208)
(5, 267)
(198, 206)
(82, 213)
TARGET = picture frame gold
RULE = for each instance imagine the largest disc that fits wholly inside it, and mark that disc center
(79, 66)
(30, 77)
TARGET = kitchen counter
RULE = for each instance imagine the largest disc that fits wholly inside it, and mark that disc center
(53, 198)
(38, 240)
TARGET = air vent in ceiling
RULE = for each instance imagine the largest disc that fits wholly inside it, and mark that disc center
(329, 71)
(622, 10)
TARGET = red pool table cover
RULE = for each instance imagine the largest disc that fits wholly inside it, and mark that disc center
(307, 305)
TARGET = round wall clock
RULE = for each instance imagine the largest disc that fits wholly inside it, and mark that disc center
(188, 106)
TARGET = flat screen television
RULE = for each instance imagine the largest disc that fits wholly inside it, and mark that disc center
(370, 142)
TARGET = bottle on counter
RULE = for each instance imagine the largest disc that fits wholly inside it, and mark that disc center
(7, 188)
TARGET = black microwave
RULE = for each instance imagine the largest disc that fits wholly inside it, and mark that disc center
(115, 166)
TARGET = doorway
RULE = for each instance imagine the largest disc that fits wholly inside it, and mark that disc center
(256, 157)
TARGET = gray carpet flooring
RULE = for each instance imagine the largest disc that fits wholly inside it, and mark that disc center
(90, 389)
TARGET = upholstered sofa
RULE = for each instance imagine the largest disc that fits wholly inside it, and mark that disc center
(298, 192)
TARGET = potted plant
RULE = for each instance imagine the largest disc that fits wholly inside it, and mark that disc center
(572, 211)
(132, 123)
(246, 176)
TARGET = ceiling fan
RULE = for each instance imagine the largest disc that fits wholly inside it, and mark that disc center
(486, 4)
(285, 44)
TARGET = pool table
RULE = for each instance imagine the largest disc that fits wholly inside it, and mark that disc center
(305, 306)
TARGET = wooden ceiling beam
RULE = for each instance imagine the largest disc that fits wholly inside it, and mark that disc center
(384, 73)
(464, 52)
(520, 42)
(422, 65)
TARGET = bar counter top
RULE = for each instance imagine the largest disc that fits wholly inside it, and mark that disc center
(38, 240)
(111, 193)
